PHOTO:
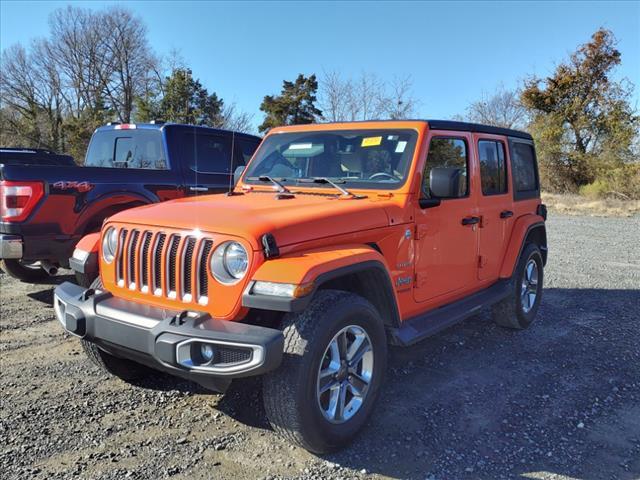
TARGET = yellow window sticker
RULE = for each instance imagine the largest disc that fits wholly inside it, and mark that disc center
(371, 141)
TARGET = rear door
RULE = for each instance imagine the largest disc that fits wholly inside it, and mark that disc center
(495, 203)
(447, 235)
(208, 159)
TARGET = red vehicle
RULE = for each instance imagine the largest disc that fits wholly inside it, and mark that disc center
(339, 239)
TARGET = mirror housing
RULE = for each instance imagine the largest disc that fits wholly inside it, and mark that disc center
(429, 202)
(237, 174)
(444, 182)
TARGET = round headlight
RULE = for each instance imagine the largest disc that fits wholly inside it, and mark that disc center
(229, 262)
(109, 244)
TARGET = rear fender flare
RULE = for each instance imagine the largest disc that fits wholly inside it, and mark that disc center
(522, 228)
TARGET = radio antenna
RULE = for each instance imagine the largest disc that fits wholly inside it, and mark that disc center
(231, 175)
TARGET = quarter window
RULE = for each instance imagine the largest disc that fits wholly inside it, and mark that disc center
(524, 168)
(493, 168)
(207, 153)
(448, 153)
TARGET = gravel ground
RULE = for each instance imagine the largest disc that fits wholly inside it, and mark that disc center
(560, 400)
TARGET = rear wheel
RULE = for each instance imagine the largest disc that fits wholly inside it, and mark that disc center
(519, 309)
(120, 367)
(30, 272)
(333, 366)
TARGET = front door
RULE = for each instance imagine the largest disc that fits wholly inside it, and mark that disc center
(447, 234)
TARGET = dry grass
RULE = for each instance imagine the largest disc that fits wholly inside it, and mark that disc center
(579, 205)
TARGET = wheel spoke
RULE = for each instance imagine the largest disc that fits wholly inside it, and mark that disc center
(342, 400)
(358, 384)
(355, 358)
(342, 345)
(334, 398)
(532, 299)
(326, 383)
(530, 271)
(334, 351)
(355, 345)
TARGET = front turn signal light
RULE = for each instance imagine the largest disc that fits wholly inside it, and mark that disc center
(290, 290)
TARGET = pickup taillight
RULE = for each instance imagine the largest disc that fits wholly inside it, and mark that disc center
(17, 199)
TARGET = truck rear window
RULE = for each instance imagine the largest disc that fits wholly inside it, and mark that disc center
(127, 149)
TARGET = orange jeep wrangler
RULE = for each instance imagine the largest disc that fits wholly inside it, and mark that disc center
(337, 240)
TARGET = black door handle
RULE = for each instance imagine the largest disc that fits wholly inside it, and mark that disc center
(506, 214)
(470, 220)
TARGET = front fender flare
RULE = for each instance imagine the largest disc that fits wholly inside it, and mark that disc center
(318, 267)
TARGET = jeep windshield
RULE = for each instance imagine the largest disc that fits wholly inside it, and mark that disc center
(369, 159)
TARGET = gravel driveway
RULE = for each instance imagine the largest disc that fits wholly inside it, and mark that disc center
(560, 400)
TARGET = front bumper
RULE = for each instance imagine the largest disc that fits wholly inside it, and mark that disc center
(169, 340)
(11, 246)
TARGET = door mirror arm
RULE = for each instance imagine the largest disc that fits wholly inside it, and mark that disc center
(429, 202)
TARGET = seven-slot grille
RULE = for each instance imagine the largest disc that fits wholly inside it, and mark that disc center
(164, 264)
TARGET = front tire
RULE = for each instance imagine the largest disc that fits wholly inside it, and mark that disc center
(24, 271)
(333, 366)
(110, 364)
(519, 309)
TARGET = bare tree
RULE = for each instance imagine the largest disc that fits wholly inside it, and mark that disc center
(365, 98)
(502, 109)
(237, 120)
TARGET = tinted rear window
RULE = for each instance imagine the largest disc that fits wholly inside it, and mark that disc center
(127, 149)
(524, 168)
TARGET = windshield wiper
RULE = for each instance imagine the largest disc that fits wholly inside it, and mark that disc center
(325, 180)
(265, 178)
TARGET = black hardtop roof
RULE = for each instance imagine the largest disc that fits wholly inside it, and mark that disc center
(454, 126)
(476, 127)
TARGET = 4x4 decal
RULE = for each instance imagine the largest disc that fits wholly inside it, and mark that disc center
(72, 185)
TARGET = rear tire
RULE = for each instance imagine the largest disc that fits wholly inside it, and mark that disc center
(519, 309)
(25, 272)
(119, 367)
(334, 361)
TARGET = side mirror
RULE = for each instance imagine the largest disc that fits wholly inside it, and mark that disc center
(444, 182)
(237, 174)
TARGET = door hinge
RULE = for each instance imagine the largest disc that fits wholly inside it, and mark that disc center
(421, 231)
(420, 280)
(481, 261)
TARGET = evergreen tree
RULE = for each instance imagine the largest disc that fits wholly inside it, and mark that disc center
(295, 105)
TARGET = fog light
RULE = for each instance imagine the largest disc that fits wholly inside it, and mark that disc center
(207, 352)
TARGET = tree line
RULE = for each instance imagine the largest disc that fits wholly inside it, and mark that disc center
(97, 66)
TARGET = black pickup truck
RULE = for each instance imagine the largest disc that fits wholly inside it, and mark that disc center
(46, 209)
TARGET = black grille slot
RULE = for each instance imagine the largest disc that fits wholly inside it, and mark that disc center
(144, 265)
(186, 266)
(203, 278)
(157, 260)
(121, 258)
(173, 252)
(132, 254)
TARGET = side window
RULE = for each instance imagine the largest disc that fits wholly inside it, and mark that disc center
(524, 168)
(493, 168)
(246, 147)
(206, 153)
(447, 161)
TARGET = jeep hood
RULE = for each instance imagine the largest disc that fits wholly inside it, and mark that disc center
(249, 216)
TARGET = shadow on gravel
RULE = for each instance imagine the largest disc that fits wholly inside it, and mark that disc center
(46, 295)
(478, 401)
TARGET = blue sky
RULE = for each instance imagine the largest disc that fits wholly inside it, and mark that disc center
(454, 51)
